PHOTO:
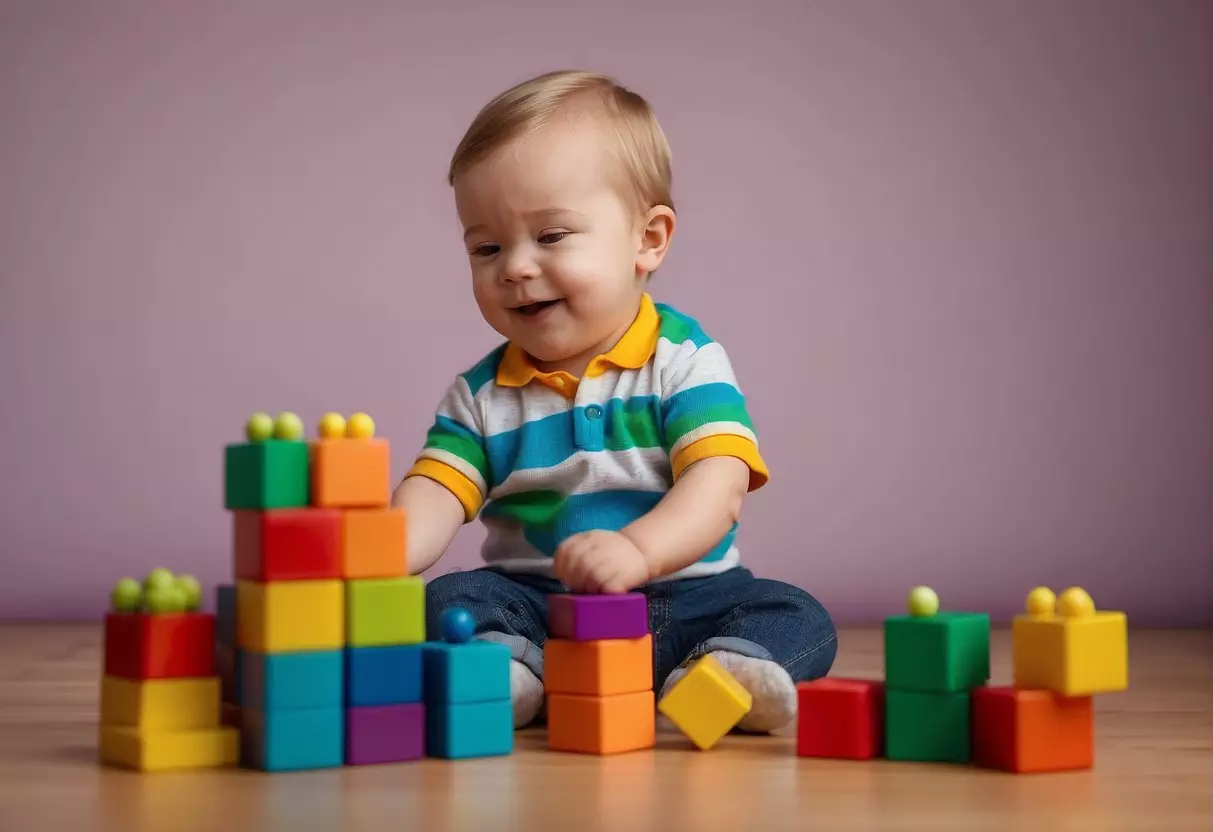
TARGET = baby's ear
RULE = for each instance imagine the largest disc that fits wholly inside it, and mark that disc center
(658, 231)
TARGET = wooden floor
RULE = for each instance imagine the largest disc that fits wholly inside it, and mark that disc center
(1154, 768)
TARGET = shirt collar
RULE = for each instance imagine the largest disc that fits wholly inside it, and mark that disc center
(631, 352)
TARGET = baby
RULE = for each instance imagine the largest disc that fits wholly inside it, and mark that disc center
(605, 445)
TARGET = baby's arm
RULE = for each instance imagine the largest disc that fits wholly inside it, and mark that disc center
(447, 484)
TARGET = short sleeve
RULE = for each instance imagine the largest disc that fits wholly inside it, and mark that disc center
(454, 451)
(703, 414)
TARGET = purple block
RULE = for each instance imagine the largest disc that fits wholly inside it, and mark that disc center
(595, 617)
(384, 734)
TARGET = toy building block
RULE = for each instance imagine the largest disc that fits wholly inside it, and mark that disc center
(373, 543)
(293, 740)
(293, 681)
(216, 747)
(706, 703)
(1065, 645)
(927, 726)
(384, 734)
(383, 611)
(147, 645)
(928, 650)
(228, 661)
(387, 675)
(281, 616)
(287, 544)
(840, 718)
(576, 617)
(468, 710)
(160, 705)
(601, 724)
(598, 668)
(225, 614)
(350, 468)
(1032, 730)
(227, 647)
(271, 469)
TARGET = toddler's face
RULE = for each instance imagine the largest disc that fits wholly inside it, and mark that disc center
(553, 247)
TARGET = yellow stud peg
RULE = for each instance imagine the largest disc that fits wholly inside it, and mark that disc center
(259, 427)
(1041, 601)
(360, 426)
(1075, 603)
(332, 425)
(922, 602)
(288, 426)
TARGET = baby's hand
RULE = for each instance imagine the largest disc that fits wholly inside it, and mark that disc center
(600, 562)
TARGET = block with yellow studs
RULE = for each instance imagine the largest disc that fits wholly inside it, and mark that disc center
(350, 466)
(706, 703)
(1063, 644)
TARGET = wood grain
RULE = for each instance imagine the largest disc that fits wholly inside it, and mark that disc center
(1154, 768)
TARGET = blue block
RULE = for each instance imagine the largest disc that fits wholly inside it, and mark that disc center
(225, 614)
(293, 740)
(387, 675)
(292, 681)
(474, 729)
(228, 667)
(477, 671)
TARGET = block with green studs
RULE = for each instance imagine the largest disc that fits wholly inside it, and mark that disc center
(946, 651)
(928, 727)
(381, 611)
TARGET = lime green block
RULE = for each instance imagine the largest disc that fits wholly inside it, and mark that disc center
(385, 611)
(265, 475)
(948, 651)
(927, 727)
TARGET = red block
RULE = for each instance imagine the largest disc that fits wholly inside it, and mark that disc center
(840, 718)
(159, 646)
(1021, 730)
(290, 544)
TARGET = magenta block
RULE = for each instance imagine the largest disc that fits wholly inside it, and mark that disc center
(594, 617)
(384, 734)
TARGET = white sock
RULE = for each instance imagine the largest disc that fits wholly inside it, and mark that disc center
(526, 690)
(773, 690)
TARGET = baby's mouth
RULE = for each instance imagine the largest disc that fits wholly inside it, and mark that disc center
(531, 309)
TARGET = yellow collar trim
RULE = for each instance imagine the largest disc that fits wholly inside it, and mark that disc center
(632, 351)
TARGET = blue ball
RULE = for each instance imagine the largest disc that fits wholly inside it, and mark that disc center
(458, 625)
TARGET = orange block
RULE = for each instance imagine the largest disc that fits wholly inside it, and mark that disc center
(598, 668)
(351, 473)
(601, 724)
(1022, 730)
(373, 543)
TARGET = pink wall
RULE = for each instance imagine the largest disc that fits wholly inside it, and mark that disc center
(983, 230)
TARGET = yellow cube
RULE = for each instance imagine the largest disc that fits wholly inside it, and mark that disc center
(161, 704)
(1072, 651)
(706, 703)
(281, 616)
(167, 750)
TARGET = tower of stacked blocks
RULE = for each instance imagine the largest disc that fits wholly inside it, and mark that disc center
(598, 673)
(160, 693)
(935, 703)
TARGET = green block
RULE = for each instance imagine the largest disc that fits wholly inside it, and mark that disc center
(264, 475)
(383, 611)
(948, 651)
(927, 727)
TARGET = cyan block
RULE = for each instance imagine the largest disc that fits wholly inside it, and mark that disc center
(474, 729)
(225, 614)
(475, 671)
(390, 675)
(292, 681)
(293, 740)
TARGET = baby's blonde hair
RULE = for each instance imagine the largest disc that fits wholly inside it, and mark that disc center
(638, 143)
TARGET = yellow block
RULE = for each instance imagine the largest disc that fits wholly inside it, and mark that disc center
(166, 750)
(281, 616)
(1072, 656)
(161, 704)
(706, 703)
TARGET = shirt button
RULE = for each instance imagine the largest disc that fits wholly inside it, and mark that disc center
(593, 411)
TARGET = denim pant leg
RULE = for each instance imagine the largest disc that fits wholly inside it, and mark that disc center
(509, 609)
(756, 617)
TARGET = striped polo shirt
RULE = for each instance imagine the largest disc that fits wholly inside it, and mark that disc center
(543, 456)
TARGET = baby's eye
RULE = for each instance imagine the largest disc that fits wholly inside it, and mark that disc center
(552, 237)
(486, 250)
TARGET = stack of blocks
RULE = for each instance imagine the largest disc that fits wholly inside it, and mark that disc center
(598, 673)
(160, 694)
(935, 705)
(319, 638)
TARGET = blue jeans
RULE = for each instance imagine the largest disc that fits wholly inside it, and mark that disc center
(689, 617)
